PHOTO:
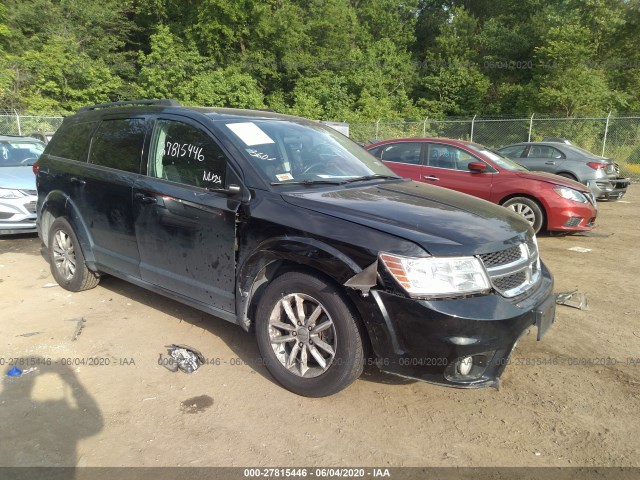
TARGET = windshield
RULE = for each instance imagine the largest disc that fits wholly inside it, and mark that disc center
(17, 154)
(289, 152)
(497, 158)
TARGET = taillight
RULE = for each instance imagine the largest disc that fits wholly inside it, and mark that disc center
(597, 165)
(36, 168)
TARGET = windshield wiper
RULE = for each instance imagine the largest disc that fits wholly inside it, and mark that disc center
(309, 182)
(375, 176)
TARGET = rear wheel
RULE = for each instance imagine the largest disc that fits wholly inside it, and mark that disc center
(67, 260)
(308, 336)
(528, 209)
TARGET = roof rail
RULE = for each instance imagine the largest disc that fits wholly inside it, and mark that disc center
(163, 102)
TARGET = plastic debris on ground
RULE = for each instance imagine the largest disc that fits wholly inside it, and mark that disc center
(79, 326)
(14, 372)
(579, 249)
(573, 299)
(181, 357)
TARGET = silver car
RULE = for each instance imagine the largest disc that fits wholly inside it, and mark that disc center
(18, 195)
(600, 174)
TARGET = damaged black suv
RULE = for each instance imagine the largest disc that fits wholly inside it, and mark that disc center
(289, 229)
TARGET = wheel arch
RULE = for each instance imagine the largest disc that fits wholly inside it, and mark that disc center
(56, 205)
(277, 256)
(533, 198)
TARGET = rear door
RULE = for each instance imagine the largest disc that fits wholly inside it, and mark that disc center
(542, 158)
(185, 233)
(102, 190)
(448, 166)
(404, 158)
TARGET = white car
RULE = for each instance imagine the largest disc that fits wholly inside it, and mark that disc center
(18, 194)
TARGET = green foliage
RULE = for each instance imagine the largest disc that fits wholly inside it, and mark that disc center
(354, 60)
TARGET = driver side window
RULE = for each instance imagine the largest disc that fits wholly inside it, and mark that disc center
(185, 154)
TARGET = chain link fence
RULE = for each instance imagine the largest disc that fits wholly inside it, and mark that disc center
(15, 124)
(614, 137)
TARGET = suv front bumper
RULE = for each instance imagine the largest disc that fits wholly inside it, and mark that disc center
(463, 343)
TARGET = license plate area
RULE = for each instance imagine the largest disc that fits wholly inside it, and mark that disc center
(545, 316)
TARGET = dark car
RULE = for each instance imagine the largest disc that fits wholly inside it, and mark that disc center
(287, 228)
(546, 201)
(601, 175)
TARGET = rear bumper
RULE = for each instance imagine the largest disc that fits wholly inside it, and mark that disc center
(430, 340)
(608, 188)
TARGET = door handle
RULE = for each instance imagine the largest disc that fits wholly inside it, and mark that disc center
(435, 179)
(146, 199)
(549, 163)
(77, 181)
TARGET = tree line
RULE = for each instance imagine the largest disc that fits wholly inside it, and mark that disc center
(348, 60)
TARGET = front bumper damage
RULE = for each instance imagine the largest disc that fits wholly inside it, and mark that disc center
(464, 343)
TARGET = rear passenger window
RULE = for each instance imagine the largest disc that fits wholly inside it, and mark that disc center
(544, 151)
(405, 152)
(118, 144)
(185, 154)
(446, 156)
(71, 141)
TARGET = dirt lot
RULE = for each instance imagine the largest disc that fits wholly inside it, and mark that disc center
(571, 400)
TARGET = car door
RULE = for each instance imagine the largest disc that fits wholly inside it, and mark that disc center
(101, 191)
(542, 158)
(404, 158)
(448, 166)
(185, 232)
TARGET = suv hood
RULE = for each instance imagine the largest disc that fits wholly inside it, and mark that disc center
(441, 221)
(554, 179)
(17, 178)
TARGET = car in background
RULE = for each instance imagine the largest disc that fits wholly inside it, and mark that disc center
(18, 195)
(546, 201)
(601, 175)
(44, 137)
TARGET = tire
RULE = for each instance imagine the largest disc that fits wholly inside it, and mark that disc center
(336, 330)
(67, 260)
(527, 208)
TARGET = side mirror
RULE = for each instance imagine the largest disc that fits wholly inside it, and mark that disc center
(478, 167)
(230, 190)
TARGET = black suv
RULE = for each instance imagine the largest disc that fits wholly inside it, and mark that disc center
(289, 229)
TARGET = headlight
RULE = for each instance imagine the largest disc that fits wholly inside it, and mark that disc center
(7, 193)
(571, 194)
(437, 276)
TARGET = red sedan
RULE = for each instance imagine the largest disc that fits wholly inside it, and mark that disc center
(547, 201)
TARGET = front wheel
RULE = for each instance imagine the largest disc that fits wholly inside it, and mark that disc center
(308, 336)
(67, 260)
(528, 209)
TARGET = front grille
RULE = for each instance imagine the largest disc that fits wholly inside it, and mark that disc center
(31, 207)
(503, 257)
(510, 282)
(514, 270)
